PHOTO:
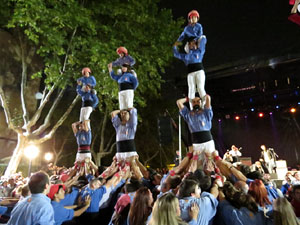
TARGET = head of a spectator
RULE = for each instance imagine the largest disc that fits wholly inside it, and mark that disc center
(94, 184)
(284, 213)
(297, 175)
(238, 198)
(296, 193)
(154, 177)
(133, 186)
(57, 192)
(202, 179)
(140, 208)
(39, 183)
(121, 210)
(288, 177)
(166, 210)
(189, 188)
(4, 183)
(256, 175)
(11, 182)
(258, 191)
(25, 191)
(171, 183)
(242, 186)
(245, 169)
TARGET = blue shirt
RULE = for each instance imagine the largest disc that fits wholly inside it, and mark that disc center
(191, 31)
(83, 137)
(243, 216)
(33, 210)
(125, 78)
(127, 131)
(88, 96)
(96, 196)
(207, 204)
(88, 80)
(198, 121)
(3, 209)
(285, 187)
(194, 55)
(61, 214)
(70, 198)
(127, 59)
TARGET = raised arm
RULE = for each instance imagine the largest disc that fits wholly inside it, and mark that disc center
(114, 113)
(180, 103)
(207, 102)
(74, 127)
(176, 54)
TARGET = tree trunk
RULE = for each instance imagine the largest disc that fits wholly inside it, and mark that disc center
(17, 155)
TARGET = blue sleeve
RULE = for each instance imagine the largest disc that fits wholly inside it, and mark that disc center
(70, 198)
(202, 46)
(229, 214)
(208, 113)
(79, 91)
(116, 62)
(114, 76)
(93, 84)
(133, 118)
(96, 100)
(45, 216)
(3, 209)
(80, 79)
(182, 35)
(132, 60)
(193, 222)
(134, 81)
(210, 203)
(116, 121)
(178, 55)
(200, 30)
(248, 181)
(184, 113)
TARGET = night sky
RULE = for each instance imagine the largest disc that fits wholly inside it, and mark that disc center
(242, 38)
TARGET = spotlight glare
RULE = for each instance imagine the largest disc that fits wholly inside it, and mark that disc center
(31, 152)
(261, 115)
(252, 110)
(271, 113)
(48, 156)
(298, 103)
(236, 117)
(277, 107)
(293, 110)
(219, 120)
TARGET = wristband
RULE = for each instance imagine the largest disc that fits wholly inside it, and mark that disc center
(172, 173)
(217, 158)
(217, 170)
(190, 155)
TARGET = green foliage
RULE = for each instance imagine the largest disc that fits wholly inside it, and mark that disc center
(87, 33)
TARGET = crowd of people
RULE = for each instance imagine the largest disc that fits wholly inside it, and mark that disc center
(203, 189)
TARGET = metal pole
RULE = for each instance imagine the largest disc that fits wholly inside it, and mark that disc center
(179, 140)
(29, 167)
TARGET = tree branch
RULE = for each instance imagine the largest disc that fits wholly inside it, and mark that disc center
(46, 123)
(149, 159)
(37, 114)
(102, 154)
(59, 122)
(6, 111)
(67, 52)
(101, 148)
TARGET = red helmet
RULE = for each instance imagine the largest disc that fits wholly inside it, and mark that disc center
(85, 69)
(122, 50)
(193, 13)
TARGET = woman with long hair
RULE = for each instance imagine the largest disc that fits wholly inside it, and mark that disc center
(166, 211)
(284, 213)
(259, 192)
(141, 207)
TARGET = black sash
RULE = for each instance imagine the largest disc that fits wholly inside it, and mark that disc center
(126, 146)
(201, 137)
(125, 86)
(195, 67)
(87, 103)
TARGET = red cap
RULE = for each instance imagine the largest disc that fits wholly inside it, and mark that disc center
(193, 13)
(64, 177)
(54, 189)
(122, 202)
(122, 50)
(85, 69)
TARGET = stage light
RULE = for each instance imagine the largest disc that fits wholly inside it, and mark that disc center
(251, 100)
(31, 152)
(48, 156)
(219, 120)
(277, 107)
(298, 103)
(236, 117)
(252, 110)
(261, 115)
(293, 110)
(245, 116)
(274, 96)
(270, 113)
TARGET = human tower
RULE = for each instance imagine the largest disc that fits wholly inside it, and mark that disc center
(196, 110)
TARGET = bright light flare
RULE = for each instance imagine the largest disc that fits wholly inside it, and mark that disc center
(31, 152)
(261, 115)
(293, 110)
(48, 156)
(237, 118)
